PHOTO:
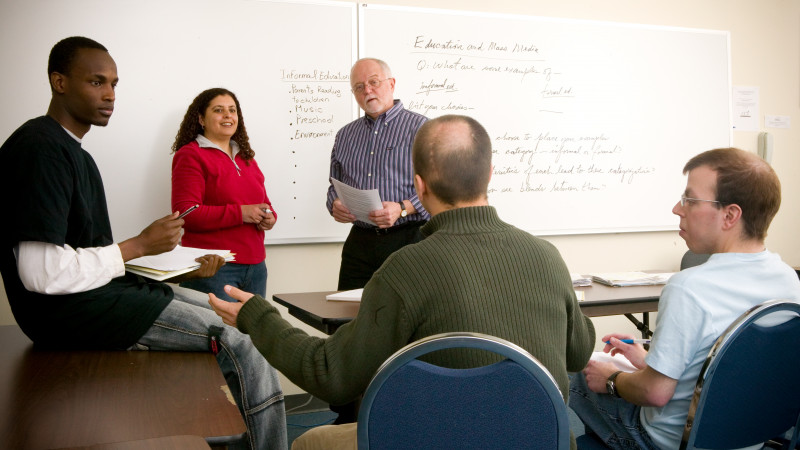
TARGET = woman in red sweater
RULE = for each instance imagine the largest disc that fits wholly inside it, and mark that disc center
(214, 167)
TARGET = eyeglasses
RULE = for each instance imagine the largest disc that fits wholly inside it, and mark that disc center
(685, 199)
(374, 83)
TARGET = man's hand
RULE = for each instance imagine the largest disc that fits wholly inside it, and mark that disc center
(340, 213)
(159, 237)
(597, 373)
(634, 353)
(386, 217)
(229, 311)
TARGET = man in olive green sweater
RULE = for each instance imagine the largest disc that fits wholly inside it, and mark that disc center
(472, 272)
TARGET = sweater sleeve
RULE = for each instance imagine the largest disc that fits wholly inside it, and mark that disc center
(339, 368)
(580, 336)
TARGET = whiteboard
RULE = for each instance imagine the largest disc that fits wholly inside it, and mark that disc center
(591, 122)
(288, 63)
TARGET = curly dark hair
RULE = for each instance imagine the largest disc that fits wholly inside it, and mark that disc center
(190, 126)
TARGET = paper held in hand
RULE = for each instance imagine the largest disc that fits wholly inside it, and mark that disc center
(359, 202)
(173, 263)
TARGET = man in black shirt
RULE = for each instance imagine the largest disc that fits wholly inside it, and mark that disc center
(63, 273)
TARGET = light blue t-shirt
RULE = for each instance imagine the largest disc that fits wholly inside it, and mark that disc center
(695, 308)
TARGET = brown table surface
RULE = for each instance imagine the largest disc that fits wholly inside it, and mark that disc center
(600, 300)
(63, 399)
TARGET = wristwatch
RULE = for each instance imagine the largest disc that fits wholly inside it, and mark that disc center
(403, 211)
(611, 385)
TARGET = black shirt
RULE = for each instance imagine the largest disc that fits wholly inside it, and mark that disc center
(54, 194)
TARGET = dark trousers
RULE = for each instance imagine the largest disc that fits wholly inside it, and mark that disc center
(366, 249)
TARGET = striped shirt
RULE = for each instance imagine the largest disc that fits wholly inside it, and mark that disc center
(376, 154)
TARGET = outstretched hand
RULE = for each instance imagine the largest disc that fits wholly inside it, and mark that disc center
(229, 311)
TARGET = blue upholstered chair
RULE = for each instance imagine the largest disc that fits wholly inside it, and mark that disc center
(691, 259)
(514, 403)
(747, 391)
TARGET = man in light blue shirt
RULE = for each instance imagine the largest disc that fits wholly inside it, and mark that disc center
(730, 199)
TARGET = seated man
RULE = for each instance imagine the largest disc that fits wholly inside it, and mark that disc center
(64, 276)
(730, 199)
(472, 272)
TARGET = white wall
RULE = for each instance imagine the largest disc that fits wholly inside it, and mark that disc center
(764, 43)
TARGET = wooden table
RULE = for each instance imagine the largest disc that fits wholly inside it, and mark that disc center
(66, 399)
(600, 300)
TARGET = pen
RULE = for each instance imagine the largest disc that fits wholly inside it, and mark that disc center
(633, 341)
(183, 214)
(267, 210)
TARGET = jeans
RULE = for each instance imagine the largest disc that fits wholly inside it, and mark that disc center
(614, 420)
(250, 278)
(184, 325)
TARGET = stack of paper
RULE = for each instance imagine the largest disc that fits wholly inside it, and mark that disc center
(580, 280)
(631, 278)
(176, 262)
(346, 296)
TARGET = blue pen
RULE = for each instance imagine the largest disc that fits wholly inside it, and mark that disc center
(633, 341)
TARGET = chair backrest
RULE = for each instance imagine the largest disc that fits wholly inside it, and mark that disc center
(691, 259)
(514, 403)
(747, 392)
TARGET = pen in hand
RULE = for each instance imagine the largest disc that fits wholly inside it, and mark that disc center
(183, 214)
(632, 341)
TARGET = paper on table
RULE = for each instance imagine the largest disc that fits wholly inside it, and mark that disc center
(631, 278)
(359, 202)
(580, 280)
(346, 296)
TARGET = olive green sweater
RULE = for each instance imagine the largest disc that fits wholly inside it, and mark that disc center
(472, 272)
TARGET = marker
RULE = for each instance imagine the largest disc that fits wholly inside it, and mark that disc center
(183, 214)
(267, 210)
(632, 341)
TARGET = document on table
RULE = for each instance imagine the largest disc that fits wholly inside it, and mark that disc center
(176, 262)
(631, 278)
(360, 202)
(346, 296)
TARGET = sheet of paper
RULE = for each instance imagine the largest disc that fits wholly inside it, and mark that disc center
(359, 202)
(777, 121)
(177, 259)
(346, 296)
(618, 360)
(745, 108)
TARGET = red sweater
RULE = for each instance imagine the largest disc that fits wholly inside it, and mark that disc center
(208, 177)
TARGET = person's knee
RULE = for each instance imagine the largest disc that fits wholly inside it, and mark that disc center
(328, 437)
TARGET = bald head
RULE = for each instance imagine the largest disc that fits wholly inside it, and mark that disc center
(453, 155)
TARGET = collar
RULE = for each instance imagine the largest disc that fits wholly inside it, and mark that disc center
(204, 142)
(467, 220)
(388, 116)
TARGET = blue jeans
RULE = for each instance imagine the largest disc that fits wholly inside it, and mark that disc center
(185, 325)
(250, 278)
(614, 420)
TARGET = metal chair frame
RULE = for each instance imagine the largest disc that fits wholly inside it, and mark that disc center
(442, 341)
